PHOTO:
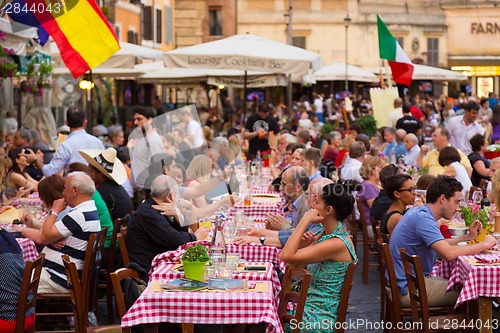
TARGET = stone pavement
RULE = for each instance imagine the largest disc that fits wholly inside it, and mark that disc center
(363, 313)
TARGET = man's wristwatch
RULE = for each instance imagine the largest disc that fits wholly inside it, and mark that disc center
(51, 212)
(262, 239)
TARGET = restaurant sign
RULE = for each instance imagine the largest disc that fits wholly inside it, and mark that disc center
(484, 28)
(254, 82)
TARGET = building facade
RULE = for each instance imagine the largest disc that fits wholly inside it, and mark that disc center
(473, 48)
(200, 21)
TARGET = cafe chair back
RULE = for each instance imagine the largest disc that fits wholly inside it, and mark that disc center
(296, 298)
(369, 245)
(79, 302)
(344, 296)
(419, 302)
(29, 285)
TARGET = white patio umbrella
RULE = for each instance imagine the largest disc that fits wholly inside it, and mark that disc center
(422, 72)
(336, 72)
(124, 58)
(247, 53)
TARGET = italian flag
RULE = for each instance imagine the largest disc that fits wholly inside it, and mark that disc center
(401, 66)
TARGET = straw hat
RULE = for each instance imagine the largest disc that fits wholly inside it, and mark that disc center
(106, 162)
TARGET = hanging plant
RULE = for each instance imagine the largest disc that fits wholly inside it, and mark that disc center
(7, 67)
(38, 77)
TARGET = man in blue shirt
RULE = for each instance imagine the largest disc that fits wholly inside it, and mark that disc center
(67, 153)
(391, 144)
(418, 232)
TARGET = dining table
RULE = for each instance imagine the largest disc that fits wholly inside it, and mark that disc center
(255, 308)
(477, 277)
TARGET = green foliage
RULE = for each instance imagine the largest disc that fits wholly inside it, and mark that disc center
(368, 125)
(327, 128)
(196, 252)
(470, 214)
(7, 67)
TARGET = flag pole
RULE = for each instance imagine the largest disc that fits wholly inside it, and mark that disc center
(389, 80)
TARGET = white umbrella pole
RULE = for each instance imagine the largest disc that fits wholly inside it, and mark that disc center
(245, 95)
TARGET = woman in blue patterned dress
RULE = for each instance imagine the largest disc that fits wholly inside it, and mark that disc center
(327, 259)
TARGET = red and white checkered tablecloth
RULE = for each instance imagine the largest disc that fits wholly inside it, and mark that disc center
(205, 308)
(29, 249)
(165, 273)
(257, 210)
(250, 253)
(443, 269)
(476, 280)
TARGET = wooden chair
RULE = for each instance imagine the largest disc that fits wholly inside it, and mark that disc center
(31, 278)
(393, 312)
(116, 277)
(419, 302)
(344, 296)
(472, 190)
(297, 298)
(110, 266)
(369, 245)
(123, 247)
(89, 277)
(80, 302)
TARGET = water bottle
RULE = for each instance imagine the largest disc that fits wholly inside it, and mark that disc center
(233, 183)
(218, 245)
(392, 159)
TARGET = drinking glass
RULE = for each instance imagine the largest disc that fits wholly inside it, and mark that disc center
(477, 196)
(229, 232)
(209, 272)
(224, 272)
(233, 260)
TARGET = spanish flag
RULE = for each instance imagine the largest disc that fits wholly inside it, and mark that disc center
(81, 31)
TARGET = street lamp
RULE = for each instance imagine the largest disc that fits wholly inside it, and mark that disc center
(347, 20)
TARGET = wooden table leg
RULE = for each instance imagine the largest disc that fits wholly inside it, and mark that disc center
(485, 314)
(187, 328)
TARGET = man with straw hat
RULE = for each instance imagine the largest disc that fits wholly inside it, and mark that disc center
(108, 173)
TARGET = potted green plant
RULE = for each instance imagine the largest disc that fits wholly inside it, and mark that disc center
(194, 260)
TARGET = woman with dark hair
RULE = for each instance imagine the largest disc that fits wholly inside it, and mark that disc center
(17, 178)
(449, 157)
(480, 165)
(328, 258)
(400, 189)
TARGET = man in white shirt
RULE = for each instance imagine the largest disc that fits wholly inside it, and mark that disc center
(412, 148)
(350, 170)
(393, 116)
(463, 128)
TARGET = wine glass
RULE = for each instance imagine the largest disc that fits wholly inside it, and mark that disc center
(477, 196)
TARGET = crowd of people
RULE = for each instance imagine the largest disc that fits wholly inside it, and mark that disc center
(163, 172)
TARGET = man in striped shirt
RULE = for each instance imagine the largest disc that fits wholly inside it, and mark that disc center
(74, 229)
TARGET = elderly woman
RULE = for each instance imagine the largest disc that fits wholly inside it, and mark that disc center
(116, 137)
(334, 140)
(370, 172)
(328, 258)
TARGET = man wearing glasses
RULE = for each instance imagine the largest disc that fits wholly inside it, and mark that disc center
(294, 184)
